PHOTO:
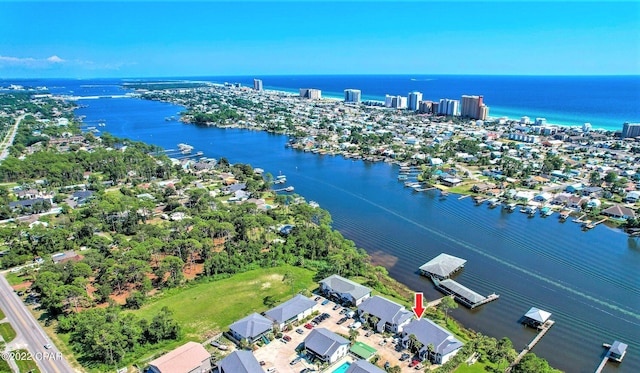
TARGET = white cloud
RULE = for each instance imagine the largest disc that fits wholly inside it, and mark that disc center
(55, 59)
(32, 63)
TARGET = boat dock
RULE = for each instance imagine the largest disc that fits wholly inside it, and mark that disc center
(591, 225)
(544, 328)
(464, 196)
(463, 294)
(615, 352)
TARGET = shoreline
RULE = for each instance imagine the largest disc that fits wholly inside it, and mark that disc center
(400, 282)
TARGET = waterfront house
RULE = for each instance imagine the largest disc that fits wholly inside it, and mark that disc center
(450, 181)
(575, 203)
(326, 345)
(363, 366)
(619, 212)
(191, 357)
(445, 345)
(295, 309)
(392, 317)
(543, 197)
(239, 362)
(252, 328)
(344, 290)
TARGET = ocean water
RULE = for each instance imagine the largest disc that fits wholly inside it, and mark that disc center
(604, 101)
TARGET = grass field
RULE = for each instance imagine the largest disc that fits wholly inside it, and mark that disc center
(7, 332)
(4, 366)
(2, 316)
(478, 367)
(26, 365)
(213, 306)
(14, 279)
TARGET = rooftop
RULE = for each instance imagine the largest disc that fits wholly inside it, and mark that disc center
(252, 325)
(290, 308)
(462, 291)
(363, 366)
(240, 362)
(324, 342)
(537, 315)
(343, 285)
(443, 265)
(185, 359)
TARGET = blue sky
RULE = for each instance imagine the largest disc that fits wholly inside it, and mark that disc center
(210, 38)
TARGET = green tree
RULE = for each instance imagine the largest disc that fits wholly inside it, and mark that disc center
(447, 303)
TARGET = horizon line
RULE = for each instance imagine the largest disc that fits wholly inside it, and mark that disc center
(321, 74)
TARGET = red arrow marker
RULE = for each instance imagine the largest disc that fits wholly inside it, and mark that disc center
(418, 308)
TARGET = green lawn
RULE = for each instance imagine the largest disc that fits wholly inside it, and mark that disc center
(14, 279)
(2, 316)
(26, 365)
(478, 367)
(4, 366)
(7, 332)
(213, 306)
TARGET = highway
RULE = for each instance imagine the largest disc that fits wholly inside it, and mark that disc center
(30, 333)
(8, 140)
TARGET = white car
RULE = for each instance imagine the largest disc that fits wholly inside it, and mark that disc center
(48, 346)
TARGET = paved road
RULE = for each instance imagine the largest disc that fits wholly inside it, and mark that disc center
(8, 140)
(28, 329)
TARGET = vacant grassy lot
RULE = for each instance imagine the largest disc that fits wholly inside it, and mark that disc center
(7, 332)
(4, 366)
(26, 365)
(212, 306)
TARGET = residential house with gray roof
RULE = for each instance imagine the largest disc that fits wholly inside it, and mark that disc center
(297, 308)
(239, 362)
(326, 345)
(344, 290)
(251, 328)
(445, 345)
(392, 317)
(363, 366)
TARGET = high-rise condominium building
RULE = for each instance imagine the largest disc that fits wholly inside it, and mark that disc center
(413, 102)
(630, 130)
(352, 95)
(310, 93)
(449, 107)
(388, 100)
(257, 84)
(425, 107)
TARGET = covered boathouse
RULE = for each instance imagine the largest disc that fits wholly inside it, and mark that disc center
(535, 317)
(463, 294)
(442, 266)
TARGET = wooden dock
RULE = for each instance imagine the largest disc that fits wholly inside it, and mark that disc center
(604, 361)
(543, 330)
(464, 196)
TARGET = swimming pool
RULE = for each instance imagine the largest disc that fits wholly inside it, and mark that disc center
(342, 368)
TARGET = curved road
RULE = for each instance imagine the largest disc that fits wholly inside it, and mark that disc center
(29, 331)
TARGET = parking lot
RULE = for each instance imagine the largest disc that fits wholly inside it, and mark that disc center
(279, 354)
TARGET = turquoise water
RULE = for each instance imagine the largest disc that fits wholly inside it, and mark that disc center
(342, 368)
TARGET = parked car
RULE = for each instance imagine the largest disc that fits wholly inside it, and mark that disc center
(383, 342)
(419, 366)
(342, 321)
(308, 326)
(336, 306)
(355, 325)
(271, 370)
(299, 331)
(295, 361)
(286, 338)
(316, 299)
(343, 311)
(414, 363)
(404, 357)
(262, 362)
(324, 302)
